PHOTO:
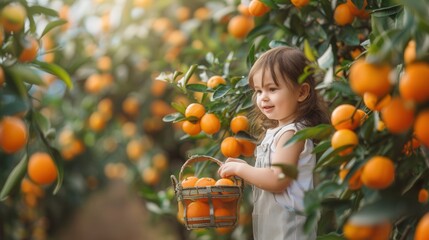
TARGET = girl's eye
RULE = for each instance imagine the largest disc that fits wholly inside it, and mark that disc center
(273, 89)
(258, 91)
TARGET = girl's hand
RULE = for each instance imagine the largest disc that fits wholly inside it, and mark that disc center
(235, 160)
(230, 167)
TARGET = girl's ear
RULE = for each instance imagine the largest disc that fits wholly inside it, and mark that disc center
(304, 91)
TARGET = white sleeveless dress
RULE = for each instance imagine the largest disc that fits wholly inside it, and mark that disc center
(278, 216)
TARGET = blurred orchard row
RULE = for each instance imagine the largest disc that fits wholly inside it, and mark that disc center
(95, 91)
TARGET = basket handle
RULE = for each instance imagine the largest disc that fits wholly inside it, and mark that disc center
(197, 158)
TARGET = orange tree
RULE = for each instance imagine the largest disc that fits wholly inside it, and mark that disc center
(109, 125)
(24, 130)
(370, 55)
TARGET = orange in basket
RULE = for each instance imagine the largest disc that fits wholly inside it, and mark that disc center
(207, 203)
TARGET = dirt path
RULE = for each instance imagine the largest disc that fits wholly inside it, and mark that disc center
(115, 213)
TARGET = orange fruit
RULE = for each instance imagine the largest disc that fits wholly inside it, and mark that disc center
(354, 9)
(398, 115)
(215, 81)
(205, 182)
(343, 15)
(197, 209)
(13, 17)
(29, 187)
(345, 116)
(191, 128)
(222, 212)
(131, 106)
(239, 123)
(230, 147)
(413, 83)
(97, 121)
(158, 88)
(210, 123)
(258, 8)
(422, 229)
(202, 13)
(41, 168)
(374, 103)
(150, 176)
(423, 195)
(366, 77)
(344, 137)
(29, 51)
(421, 127)
(300, 3)
(239, 26)
(247, 147)
(243, 9)
(410, 52)
(354, 181)
(225, 182)
(378, 172)
(358, 232)
(134, 149)
(196, 110)
(189, 182)
(362, 115)
(183, 13)
(143, 3)
(13, 134)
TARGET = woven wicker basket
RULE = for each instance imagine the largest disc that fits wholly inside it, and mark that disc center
(216, 197)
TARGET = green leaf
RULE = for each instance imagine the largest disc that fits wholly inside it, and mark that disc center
(56, 156)
(308, 51)
(42, 121)
(310, 222)
(37, 9)
(331, 158)
(195, 87)
(52, 25)
(263, 29)
(55, 70)
(327, 187)
(245, 135)
(320, 131)
(179, 107)
(322, 146)
(330, 236)
(289, 170)
(14, 178)
(174, 117)
(387, 11)
(23, 73)
(270, 3)
(220, 92)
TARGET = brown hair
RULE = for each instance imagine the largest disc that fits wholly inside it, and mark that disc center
(290, 63)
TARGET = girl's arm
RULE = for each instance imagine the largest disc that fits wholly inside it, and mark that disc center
(267, 178)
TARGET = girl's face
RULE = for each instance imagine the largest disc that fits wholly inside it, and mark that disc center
(276, 102)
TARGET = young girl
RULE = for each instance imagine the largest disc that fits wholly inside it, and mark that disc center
(285, 107)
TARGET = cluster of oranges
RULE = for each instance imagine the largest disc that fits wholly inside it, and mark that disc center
(198, 120)
(12, 21)
(240, 25)
(345, 13)
(233, 146)
(195, 208)
(403, 113)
